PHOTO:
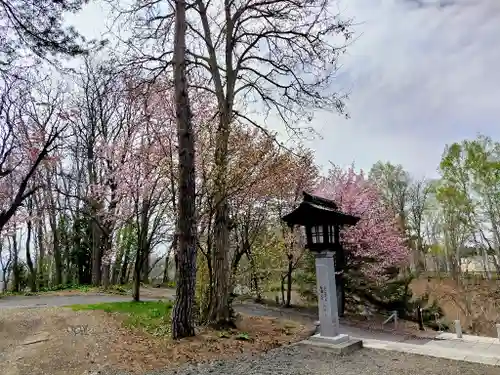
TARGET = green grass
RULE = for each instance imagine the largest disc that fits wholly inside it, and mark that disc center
(57, 288)
(150, 316)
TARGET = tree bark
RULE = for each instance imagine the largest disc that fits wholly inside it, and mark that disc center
(145, 268)
(255, 278)
(124, 268)
(29, 261)
(289, 282)
(96, 255)
(41, 249)
(219, 307)
(137, 278)
(282, 290)
(15, 265)
(183, 316)
(115, 271)
(105, 275)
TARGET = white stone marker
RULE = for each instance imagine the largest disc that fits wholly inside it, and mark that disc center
(458, 329)
(327, 299)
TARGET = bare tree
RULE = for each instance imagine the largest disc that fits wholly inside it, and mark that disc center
(30, 126)
(418, 196)
(277, 57)
(5, 264)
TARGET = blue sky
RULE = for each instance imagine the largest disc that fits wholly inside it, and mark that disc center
(422, 73)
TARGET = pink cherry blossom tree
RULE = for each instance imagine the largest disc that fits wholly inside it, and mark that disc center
(376, 245)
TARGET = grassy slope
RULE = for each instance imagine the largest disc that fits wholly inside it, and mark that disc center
(151, 316)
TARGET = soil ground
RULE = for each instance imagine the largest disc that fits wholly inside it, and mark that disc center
(57, 341)
(475, 302)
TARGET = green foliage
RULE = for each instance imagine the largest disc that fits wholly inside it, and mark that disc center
(432, 311)
(80, 248)
(153, 317)
(243, 336)
(170, 284)
(393, 182)
(394, 295)
(22, 275)
(306, 278)
(55, 288)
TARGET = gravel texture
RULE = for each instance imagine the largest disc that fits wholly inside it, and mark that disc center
(300, 360)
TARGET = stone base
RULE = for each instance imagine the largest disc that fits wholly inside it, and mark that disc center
(341, 344)
(330, 340)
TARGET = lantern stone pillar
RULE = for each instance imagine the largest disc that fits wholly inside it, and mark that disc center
(322, 220)
(327, 298)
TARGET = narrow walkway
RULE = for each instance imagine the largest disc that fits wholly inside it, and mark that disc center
(476, 349)
(251, 308)
(462, 350)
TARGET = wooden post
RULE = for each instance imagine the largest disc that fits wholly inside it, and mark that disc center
(420, 319)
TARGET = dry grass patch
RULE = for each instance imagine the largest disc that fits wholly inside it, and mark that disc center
(142, 351)
(475, 302)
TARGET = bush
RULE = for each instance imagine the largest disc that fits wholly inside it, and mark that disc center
(56, 288)
(170, 284)
(394, 295)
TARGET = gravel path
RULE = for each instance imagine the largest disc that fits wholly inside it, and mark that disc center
(300, 360)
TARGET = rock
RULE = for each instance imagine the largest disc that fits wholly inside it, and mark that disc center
(40, 337)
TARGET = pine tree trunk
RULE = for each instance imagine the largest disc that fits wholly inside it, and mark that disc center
(183, 315)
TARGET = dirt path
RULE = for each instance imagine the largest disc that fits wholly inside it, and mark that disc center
(38, 340)
(47, 300)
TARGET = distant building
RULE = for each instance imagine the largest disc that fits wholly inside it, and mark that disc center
(477, 264)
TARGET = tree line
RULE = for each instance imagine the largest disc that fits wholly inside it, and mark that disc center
(454, 216)
(142, 149)
(167, 144)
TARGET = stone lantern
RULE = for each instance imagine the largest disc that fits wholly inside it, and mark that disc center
(322, 221)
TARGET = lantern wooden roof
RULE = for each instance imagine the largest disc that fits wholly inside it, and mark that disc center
(314, 210)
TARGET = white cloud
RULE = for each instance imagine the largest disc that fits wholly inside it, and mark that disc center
(420, 76)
